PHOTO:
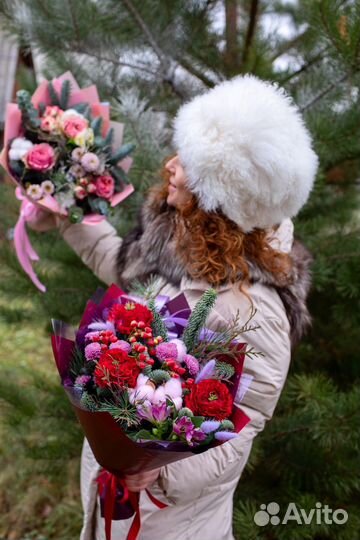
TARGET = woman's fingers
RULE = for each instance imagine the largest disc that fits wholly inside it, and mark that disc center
(137, 482)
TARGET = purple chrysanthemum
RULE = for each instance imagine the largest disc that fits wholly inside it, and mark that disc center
(165, 351)
(93, 351)
(192, 364)
(82, 380)
(90, 335)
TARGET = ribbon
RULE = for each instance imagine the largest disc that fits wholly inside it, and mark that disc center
(24, 250)
(108, 485)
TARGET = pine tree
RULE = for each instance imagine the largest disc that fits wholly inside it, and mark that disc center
(146, 58)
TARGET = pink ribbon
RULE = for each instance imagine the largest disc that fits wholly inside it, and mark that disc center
(24, 250)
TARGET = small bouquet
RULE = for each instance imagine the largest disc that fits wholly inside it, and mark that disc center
(150, 384)
(65, 155)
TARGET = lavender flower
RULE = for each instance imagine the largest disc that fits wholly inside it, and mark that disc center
(82, 380)
(67, 382)
(101, 325)
(121, 344)
(207, 371)
(92, 351)
(224, 436)
(209, 426)
(184, 428)
(192, 364)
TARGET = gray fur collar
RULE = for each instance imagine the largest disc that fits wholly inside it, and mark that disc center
(149, 249)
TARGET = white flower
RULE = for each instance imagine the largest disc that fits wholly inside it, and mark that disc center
(90, 162)
(70, 112)
(77, 154)
(77, 171)
(34, 191)
(19, 147)
(65, 198)
(47, 187)
(84, 138)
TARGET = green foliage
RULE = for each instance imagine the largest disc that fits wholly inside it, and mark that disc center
(29, 114)
(198, 318)
(122, 410)
(65, 95)
(159, 376)
(224, 370)
(122, 153)
(53, 95)
(158, 325)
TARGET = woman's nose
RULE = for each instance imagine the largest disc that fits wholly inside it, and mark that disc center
(170, 165)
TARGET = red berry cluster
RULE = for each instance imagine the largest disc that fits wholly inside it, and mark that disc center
(105, 338)
(143, 351)
(173, 367)
(187, 385)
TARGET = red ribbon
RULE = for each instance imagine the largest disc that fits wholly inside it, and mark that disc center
(111, 483)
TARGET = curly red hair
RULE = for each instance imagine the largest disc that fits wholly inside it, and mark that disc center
(214, 248)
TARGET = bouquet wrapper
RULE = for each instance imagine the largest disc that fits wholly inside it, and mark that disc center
(117, 453)
(31, 209)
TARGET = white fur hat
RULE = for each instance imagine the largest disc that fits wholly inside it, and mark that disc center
(246, 151)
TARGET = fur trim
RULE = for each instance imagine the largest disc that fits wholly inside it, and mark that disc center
(245, 150)
(150, 250)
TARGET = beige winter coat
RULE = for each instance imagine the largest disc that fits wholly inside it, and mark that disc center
(199, 490)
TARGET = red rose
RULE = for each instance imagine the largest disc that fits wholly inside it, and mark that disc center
(105, 186)
(116, 367)
(123, 314)
(210, 398)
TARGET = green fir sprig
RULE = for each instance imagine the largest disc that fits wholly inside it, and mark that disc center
(198, 318)
(121, 410)
(158, 325)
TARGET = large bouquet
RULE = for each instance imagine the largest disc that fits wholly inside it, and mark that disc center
(150, 385)
(65, 155)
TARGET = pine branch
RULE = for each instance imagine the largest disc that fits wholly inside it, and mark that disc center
(250, 33)
(231, 35)
(158, 325)
(146, 290)
(122, 410)
(198, 318)
(322, 94)
(147, 32)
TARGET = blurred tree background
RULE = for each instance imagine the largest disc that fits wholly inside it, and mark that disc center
(147, 58)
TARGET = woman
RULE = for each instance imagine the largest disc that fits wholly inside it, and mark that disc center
(244, 166)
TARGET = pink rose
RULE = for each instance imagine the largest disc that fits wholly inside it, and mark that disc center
(48, 123)
(73, 125)
(105, 186)
(41, 157)
(53, 111)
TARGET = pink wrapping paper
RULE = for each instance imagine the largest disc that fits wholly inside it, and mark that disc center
(13, 128)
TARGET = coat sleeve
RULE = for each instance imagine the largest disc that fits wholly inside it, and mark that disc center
(97, 246)
(185, 480)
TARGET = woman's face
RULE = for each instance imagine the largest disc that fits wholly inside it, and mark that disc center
(178, 191)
